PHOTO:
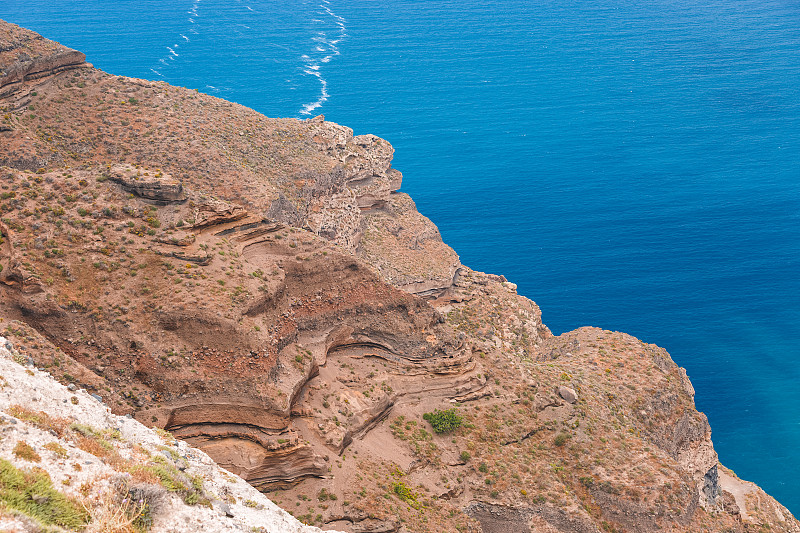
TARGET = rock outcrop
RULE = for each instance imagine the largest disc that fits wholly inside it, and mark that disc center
(261, 290)
(159, 187)
(26, 56)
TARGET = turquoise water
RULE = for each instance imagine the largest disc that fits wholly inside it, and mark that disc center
(634, 166)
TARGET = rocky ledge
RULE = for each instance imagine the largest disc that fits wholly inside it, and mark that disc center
(26, 56)
(259, 289)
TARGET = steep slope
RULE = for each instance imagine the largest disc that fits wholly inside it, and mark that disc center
(258, 288)
(110, 471)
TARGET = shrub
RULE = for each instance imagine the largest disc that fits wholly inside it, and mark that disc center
(405, 493)
(561, 439)
(443, 421)
(32, 494)
(25, 451)
(465, 456)
(190, 488)
(57, 449)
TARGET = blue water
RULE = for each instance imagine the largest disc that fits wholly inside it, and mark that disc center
(631, 165)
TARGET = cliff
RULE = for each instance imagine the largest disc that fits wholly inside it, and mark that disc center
(259, 289)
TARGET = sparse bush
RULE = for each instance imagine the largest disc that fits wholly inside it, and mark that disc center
(57, 449)
(40, 419)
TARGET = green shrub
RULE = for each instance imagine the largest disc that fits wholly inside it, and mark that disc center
(190, 488)
(444, 421)
(32, 494)
(561, 439)
(405, 493)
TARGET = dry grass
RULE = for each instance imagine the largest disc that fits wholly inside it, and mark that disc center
(40, 419)
(25, 451)
(57, 449)
(109, 514)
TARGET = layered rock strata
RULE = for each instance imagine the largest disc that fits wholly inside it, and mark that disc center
(26, 56)
(72, 435)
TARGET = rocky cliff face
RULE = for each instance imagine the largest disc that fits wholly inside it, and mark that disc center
(26, 56)
(258, 288)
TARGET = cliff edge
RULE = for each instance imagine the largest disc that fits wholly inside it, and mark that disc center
(259, 289)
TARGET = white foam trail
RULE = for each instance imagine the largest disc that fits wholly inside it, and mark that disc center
(248, 7)
(308, 108)
(342, 20)
(193, 13)
(326, 46)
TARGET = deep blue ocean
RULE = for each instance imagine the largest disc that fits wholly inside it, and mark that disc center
(630, 165)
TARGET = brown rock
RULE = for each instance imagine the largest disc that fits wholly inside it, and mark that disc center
(148, 184)
(569, 395)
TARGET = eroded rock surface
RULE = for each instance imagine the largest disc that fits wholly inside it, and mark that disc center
(26, 56)
(159, 187)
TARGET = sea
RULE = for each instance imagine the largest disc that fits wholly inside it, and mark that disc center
(630, 165)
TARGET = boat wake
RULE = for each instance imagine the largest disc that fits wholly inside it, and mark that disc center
(164, 61)
(326, 39)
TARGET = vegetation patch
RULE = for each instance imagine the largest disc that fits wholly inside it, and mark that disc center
(405, 493)
(190, 488)
(40, 419)
(444, 421)
(57, 449)
(25, 451)
(32, 493)
(561, 439)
